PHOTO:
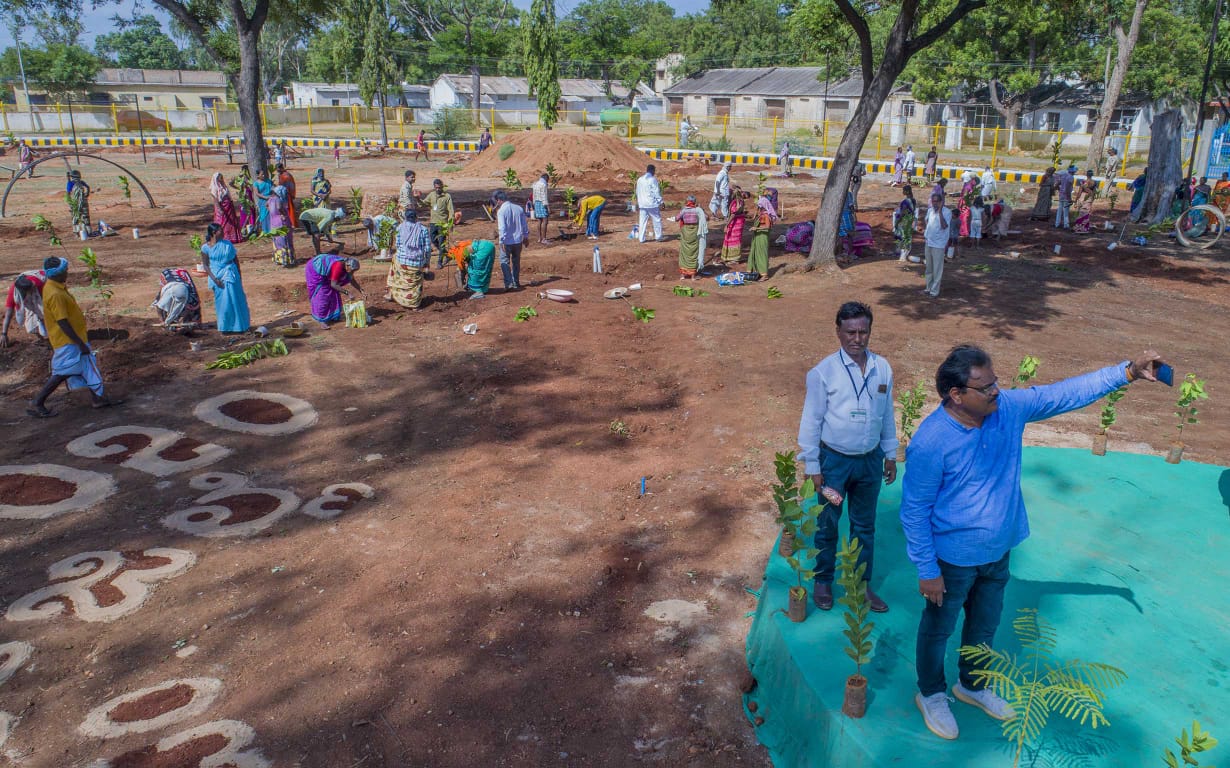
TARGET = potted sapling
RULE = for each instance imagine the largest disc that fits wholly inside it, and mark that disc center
(1190, 391)
(912, 401)
(1108, 418)
(385, 235)
(798, 530)
(858, 628)
(1026, 371)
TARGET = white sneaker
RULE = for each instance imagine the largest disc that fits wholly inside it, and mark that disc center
(986, 700)
(937, 715)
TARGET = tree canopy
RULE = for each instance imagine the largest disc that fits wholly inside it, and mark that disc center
(62, 71)
(140, 43)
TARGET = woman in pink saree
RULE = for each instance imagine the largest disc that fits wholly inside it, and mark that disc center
(248, 213)
(732, 242)
(224, 210)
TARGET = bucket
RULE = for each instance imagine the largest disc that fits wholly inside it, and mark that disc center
(1057, 249)
(951, 252)
(136, 234)
(1111, 246)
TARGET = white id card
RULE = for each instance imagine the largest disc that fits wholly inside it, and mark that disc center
(858, 416)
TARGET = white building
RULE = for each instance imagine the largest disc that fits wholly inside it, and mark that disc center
(347, 94)
(792, 94)
(508, 99)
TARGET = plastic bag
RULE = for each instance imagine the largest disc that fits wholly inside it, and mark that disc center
(356, 314)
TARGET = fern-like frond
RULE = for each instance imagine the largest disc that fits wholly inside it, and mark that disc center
(1095, 674)
(1032, 712)
(1034, 632)
(1082, 704)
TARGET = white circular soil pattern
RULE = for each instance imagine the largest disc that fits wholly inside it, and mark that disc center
(333, 501)
(302, 414)
(238, 735)
(231, 508)
(148, 459)
(15, 654)
(74, 577)
(90, 488)
(203, 692)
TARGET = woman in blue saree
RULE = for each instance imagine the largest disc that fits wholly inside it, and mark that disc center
(221, 262)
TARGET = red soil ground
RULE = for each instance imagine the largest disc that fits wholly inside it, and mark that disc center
(489, 605)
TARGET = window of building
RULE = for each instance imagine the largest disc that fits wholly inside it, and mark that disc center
(983, 116)
(1123, 119)
(775, 108)
(907, 109)
(719, 107)
(674, 105)
(1052, 121)
(147, 98)
(208, 102)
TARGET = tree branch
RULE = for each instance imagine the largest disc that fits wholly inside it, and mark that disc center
(180, 13)
(960, 11)
(863, 33)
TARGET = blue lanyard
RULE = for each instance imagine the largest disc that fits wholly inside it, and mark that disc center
(858, 393)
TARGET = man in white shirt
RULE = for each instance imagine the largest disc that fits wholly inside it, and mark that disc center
(685, 133)
(988, 185)
(935, 237)
(512, 230)
(848, 441)
(719, 204)
(542, 208)
(911, 161)
(649, 201)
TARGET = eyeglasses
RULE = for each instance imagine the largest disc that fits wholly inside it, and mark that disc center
(988, 389)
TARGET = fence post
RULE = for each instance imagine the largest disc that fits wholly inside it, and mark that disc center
(935, 135)
(4, 115)
(214, 108)
(584, 120)
(309, 119)
(824, 140)
(879, 140)
(1127, 147)
(60, 118)
(773, 147)
(115, 121)
(677, 120)
(994, 147)
(725, 124)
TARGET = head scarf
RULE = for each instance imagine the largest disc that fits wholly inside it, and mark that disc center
(217, 187)
(351, 263)
(691, 201)
(55, 267)
(281, 192)
(766, 205)
(320, 174)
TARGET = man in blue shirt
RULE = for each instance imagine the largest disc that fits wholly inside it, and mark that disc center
(848, 441)
(512, 230)
(962, 510)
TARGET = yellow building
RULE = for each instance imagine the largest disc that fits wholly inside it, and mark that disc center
(148, 88)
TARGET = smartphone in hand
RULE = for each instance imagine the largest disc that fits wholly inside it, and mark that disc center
(1165, 374)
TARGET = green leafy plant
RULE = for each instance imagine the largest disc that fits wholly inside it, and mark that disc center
(643, 314)
(125, 189)
(722, 144)
(506, 151)
(1056, 149)
(553, 176)
(451, 168)
(1191, 390)
(452, 123)
(306, 203)
(1026, 371)
(978, 267)
(511, 179)
(195, 242)
(773, 292)
(851, 576)
(762, 183)
(390, 209)
(356, 202)
(798, 524)
(385, 234)
(42, 224)
(250, 353)
(1036, 685)
(1112, 197)
(689, 291)
(619, 428)
(1200, 741)
(525, 313)
(664, 186)
(632, 177)
(1108, 414)
(94, 273)
(570, 201)
(912, 401)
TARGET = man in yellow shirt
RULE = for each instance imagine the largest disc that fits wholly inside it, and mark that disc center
(589, 213)
(441, 220)
(72, 361)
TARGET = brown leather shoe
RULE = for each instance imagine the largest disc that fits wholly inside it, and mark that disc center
(875, 603)
(822, 596)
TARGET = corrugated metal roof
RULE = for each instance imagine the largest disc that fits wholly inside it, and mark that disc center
(766, 81)
(518, 86)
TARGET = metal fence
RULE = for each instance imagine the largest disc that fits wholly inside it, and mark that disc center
(955, 144)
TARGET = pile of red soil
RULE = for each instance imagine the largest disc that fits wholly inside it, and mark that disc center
(574, 155)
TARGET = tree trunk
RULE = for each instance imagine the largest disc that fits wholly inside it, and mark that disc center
(1165, 167)
(475, 84)
(247, 93)
(1114, 84)
(824, 244)
(381, 100)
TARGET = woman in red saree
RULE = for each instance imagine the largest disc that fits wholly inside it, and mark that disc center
(225, 215)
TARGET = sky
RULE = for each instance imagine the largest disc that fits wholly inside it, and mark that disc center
(97, 21)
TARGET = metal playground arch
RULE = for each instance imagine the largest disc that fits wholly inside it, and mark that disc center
(5, 200)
